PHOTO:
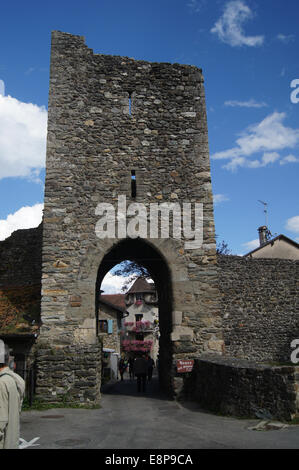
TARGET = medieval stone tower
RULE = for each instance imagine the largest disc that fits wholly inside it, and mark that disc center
(121, 127)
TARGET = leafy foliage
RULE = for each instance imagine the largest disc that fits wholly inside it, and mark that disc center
(222, 248)
(131, 270)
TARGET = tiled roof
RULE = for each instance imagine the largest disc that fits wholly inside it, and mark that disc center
(116, 300)
(141, 285)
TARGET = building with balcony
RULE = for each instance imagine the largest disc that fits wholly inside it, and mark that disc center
(140, 330)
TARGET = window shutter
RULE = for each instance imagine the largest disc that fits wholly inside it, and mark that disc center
(110, 326)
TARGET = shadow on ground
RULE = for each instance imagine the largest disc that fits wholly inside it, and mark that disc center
(128, 387)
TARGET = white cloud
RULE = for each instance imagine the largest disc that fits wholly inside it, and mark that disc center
(266, 159)
(251, 245)
(218, 198)
(235, 163)
(26, 217)
(113, 284)
(2, 88)
(268, 136)
(23, 130)
(289, 159)
(245, 104)
(269, 158)
(229, 26)
(292, 224)
(286, 38)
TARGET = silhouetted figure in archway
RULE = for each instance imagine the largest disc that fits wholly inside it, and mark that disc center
(122, 366)
(140, 370)
(150, 368)
(131, 367)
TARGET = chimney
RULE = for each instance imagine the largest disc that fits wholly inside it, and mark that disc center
(262, 234)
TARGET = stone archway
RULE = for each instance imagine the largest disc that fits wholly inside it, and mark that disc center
(145, 253)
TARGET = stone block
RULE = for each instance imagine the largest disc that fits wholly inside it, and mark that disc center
(75, 301)
(177, 318)
(181, 331)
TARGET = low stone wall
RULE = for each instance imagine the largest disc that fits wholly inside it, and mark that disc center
(241, 388)
(73, 371)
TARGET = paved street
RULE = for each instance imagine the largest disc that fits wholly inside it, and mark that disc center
(131, 420)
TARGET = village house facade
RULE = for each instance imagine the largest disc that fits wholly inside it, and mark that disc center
(278, 247)
(140, 332)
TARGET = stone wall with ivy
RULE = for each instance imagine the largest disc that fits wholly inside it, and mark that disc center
(20, 281)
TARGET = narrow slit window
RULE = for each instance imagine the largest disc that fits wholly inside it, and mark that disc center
(130, 105)
(133, 184)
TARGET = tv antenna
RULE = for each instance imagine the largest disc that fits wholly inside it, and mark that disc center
(265, 211)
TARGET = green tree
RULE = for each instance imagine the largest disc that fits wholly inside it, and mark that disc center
(132, 271)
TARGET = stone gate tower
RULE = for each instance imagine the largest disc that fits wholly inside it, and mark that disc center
(121, 127)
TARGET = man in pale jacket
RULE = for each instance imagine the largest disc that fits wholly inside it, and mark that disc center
(12, 388)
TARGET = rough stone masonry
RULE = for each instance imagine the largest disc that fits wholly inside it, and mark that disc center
(110, 116)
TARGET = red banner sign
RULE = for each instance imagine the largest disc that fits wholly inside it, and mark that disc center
(184, 365)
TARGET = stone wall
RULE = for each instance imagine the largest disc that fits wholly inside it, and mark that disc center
(110, 340)
(20, 282)
(109, 116)
(238, 387)
(259, 304)
(71, 374)
(21, 256)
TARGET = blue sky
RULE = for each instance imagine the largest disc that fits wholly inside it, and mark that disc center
(248, 51)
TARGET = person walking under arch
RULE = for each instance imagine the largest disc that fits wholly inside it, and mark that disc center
(150, 368)
(122, 367)
(131, 367)
(140, 370)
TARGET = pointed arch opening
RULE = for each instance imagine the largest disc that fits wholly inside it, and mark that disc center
(145, 254)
